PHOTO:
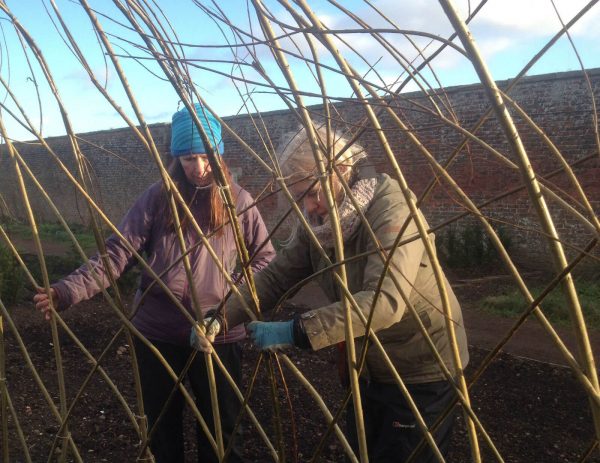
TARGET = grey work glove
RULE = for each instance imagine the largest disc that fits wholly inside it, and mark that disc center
(203, 334)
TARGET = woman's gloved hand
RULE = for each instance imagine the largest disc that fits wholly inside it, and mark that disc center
(271, 335)
(203, 334)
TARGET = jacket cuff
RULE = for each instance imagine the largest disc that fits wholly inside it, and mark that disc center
(299, 333)
(315, 332)
(63, 300)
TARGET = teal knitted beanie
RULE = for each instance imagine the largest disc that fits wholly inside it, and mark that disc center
(185, 138)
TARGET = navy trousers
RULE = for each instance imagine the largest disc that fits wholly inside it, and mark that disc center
(391, 429)
(167, 441)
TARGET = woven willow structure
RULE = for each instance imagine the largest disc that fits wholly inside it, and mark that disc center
(287, 51)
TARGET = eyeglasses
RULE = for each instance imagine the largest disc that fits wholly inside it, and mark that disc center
(314, 194)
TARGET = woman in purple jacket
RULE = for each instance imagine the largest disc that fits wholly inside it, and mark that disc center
(149, 228)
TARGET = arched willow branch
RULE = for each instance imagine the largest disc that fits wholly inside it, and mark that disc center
(287, 50)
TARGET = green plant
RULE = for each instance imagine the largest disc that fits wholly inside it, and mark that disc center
(129, 281)
(469, 246)
(511, 303)
(57, 266)
(12, 278)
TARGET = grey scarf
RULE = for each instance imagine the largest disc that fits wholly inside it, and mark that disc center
(363, 191)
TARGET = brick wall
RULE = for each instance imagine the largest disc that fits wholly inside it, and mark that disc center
(559, 103)
(119, 170)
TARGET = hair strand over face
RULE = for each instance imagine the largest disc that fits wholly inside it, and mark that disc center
(218, 216)
(297, 159)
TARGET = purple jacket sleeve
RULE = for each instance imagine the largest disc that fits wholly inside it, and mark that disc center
(255, 235)
(135, 227)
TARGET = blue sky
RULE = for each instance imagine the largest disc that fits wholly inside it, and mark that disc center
(509, 33)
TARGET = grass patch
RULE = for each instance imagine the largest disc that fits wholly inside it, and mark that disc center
(56, 232)
(52, 232)
(512, 304)
(12, 278)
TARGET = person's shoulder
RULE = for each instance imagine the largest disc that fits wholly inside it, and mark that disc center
(243, 197)
(238, 190)
(156, 187)
(388, 195)
(387, 185)
(152, 193)
(384, 184)
(382, 180)
(150, 198)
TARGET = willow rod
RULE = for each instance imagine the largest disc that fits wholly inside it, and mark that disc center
(37, 379)
(58, 317)
(493, 235)
(535, 195)
(410, 202)
(334, 219)
(7, 405)
(4, 395)
(44, 270)
(321, 404)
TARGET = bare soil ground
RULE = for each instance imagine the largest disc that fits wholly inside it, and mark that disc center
(534, 411)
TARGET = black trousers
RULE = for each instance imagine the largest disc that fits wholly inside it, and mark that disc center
(391, 429)
(167, 441)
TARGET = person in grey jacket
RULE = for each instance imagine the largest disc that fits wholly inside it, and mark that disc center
(149, 228)
(391, 429)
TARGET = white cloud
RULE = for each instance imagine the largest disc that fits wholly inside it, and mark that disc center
(507, 32)
(533, 17)
(490, 47)
(159, 116)
(82, 80)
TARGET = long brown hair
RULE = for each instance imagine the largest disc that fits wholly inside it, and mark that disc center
(218, 216)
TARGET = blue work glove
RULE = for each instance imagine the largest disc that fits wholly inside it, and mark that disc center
(271, 335)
